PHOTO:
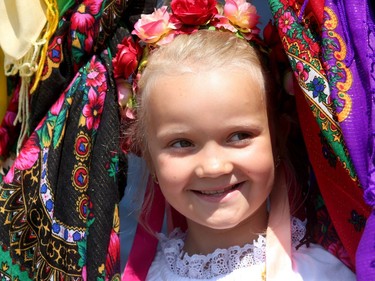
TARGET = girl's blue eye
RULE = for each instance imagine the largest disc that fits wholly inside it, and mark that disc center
(181, 144)
(239, 137)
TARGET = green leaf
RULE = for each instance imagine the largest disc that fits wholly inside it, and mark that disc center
(44, 134)
(275, 5)
(298, 35)
(322, 97)
(293, 63)
(59, 127)
(290, 33)
(310, 86)
(82, 246)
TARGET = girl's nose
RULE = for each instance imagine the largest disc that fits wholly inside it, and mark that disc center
(213, 162)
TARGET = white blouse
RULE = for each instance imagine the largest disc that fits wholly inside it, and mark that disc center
(243, 263)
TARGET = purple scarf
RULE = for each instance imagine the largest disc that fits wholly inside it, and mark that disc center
(350, 24)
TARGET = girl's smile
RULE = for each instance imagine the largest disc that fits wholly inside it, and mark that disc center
(211, 150)
(219, 194)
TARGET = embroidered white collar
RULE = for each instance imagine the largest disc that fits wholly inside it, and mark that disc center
(221, 261)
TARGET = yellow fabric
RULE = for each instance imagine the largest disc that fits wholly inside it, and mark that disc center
(3, 88)
(52, 15)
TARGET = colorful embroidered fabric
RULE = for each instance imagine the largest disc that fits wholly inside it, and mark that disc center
(58, 202)
(332, 112)
(54, 217)
(3, 90)
(72, 45)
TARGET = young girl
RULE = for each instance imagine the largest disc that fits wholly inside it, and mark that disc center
(208, 132)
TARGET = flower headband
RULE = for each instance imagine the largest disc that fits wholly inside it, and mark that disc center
(162, 26)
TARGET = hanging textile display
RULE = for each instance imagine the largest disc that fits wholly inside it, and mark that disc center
(59, 199)
(321, 40)
(52, 197)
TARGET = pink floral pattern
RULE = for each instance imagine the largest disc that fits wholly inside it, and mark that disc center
(285, 22)
(92, 111)
(26, 158)
(301, 72)
(96, 74)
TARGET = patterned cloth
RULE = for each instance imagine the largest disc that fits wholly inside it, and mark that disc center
(52, 207)
(58, 201)
(321, 41)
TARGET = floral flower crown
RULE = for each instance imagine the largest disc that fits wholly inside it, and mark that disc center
(162, 26)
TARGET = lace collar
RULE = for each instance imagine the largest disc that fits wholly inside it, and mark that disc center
(221, 261)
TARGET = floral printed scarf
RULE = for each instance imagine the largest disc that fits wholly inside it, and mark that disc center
(321, 40)
(59, 199)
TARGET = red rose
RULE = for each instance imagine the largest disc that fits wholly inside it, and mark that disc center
(194, 12)
(125, 62)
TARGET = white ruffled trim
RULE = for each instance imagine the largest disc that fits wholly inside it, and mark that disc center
(221, 261)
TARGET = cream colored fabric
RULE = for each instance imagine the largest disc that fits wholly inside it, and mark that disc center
(21, 26)
(3, 88)
(21, 23)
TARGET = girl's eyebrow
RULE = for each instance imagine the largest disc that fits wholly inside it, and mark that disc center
(172, 131)
(177, 130)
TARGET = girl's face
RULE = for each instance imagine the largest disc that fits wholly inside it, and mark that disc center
(210, 146)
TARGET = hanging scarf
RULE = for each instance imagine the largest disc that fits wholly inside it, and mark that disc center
(58, 196)
(331, 109)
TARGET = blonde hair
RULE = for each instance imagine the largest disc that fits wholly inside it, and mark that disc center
(202, 51)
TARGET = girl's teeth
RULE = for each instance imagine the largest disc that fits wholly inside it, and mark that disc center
(216, 192)
(212, 192)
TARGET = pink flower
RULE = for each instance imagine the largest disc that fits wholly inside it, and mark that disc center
(152, 28)
(285, 22)
(93, 109)
(27, 157)
(84, 18)
(82, 22)
(95, 74)
(194, 12)
(222, 22)
(93, 6)
(242, 15)
(89, 41)
(127, 58)
(301, 72)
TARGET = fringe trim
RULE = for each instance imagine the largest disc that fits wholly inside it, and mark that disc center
(25, 67)
(29, 65)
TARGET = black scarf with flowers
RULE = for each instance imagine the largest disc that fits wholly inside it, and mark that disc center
(59, 200)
